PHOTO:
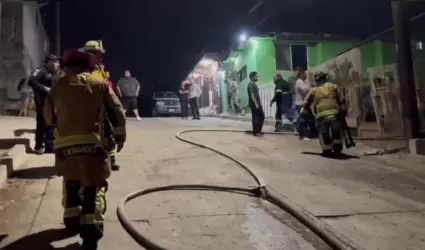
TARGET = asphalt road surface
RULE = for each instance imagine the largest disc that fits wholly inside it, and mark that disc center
(368, 200)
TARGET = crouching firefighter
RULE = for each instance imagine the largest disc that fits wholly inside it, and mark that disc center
(81, 106)
(96, 49)
(328, 106)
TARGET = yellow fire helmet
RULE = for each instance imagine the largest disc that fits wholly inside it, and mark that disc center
(93, 46)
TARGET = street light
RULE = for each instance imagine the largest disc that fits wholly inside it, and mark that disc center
(243, 37)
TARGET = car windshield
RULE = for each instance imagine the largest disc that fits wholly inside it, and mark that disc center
(165, 95)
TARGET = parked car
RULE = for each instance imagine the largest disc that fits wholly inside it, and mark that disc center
(166, 103)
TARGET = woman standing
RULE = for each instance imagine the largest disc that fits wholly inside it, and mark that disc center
(184, 100)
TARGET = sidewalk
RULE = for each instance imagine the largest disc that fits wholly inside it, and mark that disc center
(247, 118)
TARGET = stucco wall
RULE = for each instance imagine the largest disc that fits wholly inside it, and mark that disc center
(21, 49)
(34, 37)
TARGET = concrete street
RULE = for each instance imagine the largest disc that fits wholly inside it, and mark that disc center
(377, 202)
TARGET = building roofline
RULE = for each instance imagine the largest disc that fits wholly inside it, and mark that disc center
(309, 37)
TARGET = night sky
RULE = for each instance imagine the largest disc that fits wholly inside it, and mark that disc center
(159, 41)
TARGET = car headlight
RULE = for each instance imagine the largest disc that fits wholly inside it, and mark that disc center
(160, 103)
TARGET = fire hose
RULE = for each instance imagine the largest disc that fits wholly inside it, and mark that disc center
(261, 191)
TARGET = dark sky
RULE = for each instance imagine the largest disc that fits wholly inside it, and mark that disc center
(161, 40)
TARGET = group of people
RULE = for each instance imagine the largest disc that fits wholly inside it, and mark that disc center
(289, 99)
(81, 119)
(324, 121)
(189, 94)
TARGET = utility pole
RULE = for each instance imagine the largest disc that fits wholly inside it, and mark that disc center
(411, 121)
(57, 28)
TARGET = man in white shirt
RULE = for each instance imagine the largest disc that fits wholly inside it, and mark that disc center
(194, 93)
(306, 129)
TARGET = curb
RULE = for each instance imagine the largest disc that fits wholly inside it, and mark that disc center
(14, 158)
(271, 122)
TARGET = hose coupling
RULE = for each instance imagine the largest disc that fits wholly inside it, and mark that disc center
(259, 191)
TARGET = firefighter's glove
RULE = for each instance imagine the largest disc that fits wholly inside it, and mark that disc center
(120, 146)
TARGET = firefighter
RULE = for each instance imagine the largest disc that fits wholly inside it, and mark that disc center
(82, 143)
(96, 48)
(328, 106)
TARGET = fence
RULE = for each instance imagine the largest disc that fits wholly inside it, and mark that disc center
(266, 95)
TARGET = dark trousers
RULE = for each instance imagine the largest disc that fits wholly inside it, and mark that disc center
(306, 126)
(49, 139)
(194, 107)
(284, 107)
(257, 119)
(40, 129)
(184, 105)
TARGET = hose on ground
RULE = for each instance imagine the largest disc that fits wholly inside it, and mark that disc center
(260, 191)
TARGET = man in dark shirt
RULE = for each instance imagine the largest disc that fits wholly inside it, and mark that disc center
(128, 89)
(41, 81)
(255, 105)
(184, 100)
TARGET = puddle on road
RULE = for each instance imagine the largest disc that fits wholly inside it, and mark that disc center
(270, 228)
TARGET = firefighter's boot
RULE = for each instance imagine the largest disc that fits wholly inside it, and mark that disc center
(114, 165)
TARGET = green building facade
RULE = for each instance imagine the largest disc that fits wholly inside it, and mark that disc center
(261, 54)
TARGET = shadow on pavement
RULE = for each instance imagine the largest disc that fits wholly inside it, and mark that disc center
(333, 156)
(35, 173)
(2, 237)
(42, 241)
(20, 132)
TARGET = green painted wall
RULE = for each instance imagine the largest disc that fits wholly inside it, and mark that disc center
(223, 92)
(265, 59)
(313, 53)
(249, 59)
(323, 51)
(258, 55)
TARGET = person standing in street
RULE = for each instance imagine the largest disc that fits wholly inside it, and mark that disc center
(234, 100)
(95, 48)
(194, 94)
(26, 96)
(257, 111)
(305, 126)
(41, 80)
(283, 98)
(184, 100)
(128, 89)
(108, 80)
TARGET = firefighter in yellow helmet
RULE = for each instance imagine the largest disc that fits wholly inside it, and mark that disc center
(96, 48)
(327, 105)
(82, 143)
